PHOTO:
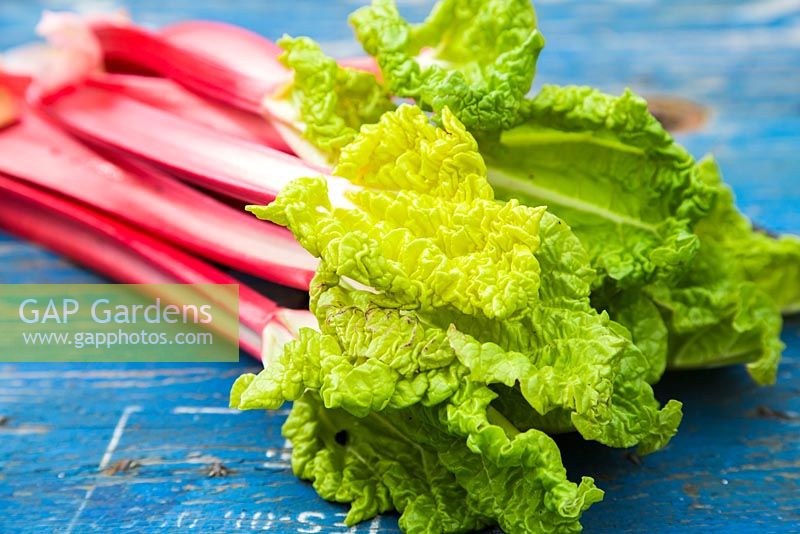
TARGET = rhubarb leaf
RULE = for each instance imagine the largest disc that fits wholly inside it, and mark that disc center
(428, 294)
(771, 263)
(366, 358)
(406, 459)
(607, 167)
(444, 267)
(718, 312)
(476, 58)
(325, 104)
(375, 464)
(635, 311)
(678, 263)
(584, 368)
(426, 230)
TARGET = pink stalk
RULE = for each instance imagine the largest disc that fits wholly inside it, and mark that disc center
(147, 199)
(168, 96)
(209, 159)
(226, 64)
(199, 72)
(239, 49)
(126, 255)
(219, 61)
(245, 50)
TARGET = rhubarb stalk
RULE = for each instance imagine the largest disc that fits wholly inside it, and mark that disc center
(213, 160)
(126, 255)
(199, 72)
(246, 51)
(168, 96)
(46, 157)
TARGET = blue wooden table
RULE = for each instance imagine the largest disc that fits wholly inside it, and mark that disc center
(102, 447)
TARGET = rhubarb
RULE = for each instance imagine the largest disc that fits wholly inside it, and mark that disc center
(240, 50)
(248, 51)
(127, 255)
(214, 160)
(200, 73)
(46, 157)
(9, 108)
(168, 96)
(317, 104)
(321, 108)
(234, 68)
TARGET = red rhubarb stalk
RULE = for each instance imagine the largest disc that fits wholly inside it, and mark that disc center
(201, 73)
(239, 49)
(209, 159)
(218, 61)
(126, 255)
(168, 96)
(223, 63)
(40, 153)
(246, 51)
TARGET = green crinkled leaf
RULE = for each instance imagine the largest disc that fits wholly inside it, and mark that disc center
(607, 167)
(530, 464)
(404, 152)
(240, 386)
(575, 367)
(432, 263)
(771, 263)
(407, 459)
(716, 318)
(635, 311)
(658, 227)
(371, 355)
(429, 292)
(377, 464)
(417, 241)
(327, 103)
(716, 313)
(587, 372)
(475, 57)
(367, 357)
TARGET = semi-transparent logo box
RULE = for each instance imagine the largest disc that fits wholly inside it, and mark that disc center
(119, 323)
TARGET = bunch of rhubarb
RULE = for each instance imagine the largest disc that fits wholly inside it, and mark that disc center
(486, 267)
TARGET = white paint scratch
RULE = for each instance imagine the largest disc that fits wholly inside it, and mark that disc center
(24, 430)
(342, 524)
(306, 518)
(278, 466)
(213, 410)
(242, 517)
(117, 435)
(79, 511)
(280, 458)
(104, 461)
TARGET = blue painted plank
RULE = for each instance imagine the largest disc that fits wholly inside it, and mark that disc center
(735, 463)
